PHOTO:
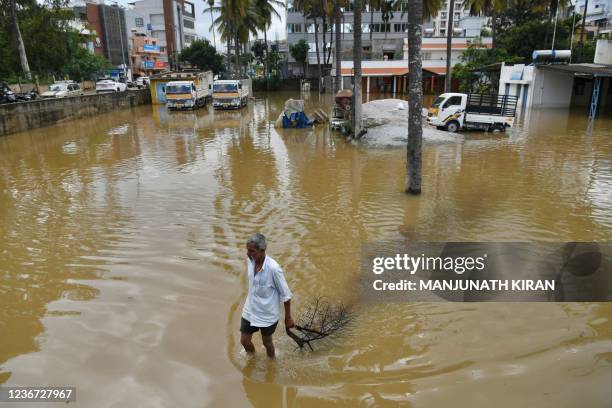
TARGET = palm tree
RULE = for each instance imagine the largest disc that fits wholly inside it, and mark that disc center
(211, 4)
(449, 43)
(357, 51)
(415, 97)
(267, 11)
(338, 56)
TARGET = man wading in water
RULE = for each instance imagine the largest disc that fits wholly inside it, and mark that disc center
(267, 288)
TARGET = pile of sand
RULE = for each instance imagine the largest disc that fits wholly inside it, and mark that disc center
(386, 121)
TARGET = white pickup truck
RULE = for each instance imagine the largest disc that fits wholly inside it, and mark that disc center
(230, 93)
(456, 111)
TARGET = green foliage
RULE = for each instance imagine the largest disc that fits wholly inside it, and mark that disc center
(204, 56)
(53, 47)
(259, 51)
(476, 57)
(584, 53)
(83, 65)
(523, 39)
(299, 51)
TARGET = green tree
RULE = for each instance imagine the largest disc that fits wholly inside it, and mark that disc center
(521, 40)
(474, 58)
(204, 56)
(299, 52)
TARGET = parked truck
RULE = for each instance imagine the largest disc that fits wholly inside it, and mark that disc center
(456, 111)
(189, 93)
(230, 93)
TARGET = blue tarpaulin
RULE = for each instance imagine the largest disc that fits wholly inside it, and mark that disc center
(297, 120)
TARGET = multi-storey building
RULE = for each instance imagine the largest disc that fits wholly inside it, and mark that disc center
(599, 13)
(440, 22)
(146, 57)
(170, 22)
(384, 40)
(110, 31)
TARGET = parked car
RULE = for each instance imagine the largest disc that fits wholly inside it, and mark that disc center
(6, 95)
(110, 85)
(142, 82)
(62, 89)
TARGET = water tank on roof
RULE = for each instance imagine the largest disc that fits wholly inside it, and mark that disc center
(551, 56)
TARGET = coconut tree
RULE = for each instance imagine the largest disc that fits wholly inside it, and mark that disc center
(415, 97)
(211, 4)
(338, 56)
(267, 10)
(449, 43)
(357, 56)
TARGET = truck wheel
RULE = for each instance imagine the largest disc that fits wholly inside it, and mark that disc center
(452, 126)
(497, 128)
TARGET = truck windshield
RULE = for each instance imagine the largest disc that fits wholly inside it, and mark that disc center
(437, 102)
(178, 89)
(225, 88)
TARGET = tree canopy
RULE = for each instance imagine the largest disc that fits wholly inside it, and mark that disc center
(204, 56)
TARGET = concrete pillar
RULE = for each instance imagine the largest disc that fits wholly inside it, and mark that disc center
(368, 86)
(394, 83)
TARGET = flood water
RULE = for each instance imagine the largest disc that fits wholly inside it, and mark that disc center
(123, 261)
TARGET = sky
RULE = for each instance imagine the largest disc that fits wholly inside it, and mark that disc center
(203, 21)
(202, 26)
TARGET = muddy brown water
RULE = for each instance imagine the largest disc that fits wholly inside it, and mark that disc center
(122, 261)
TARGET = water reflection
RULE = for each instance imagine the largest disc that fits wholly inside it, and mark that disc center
(123, 261)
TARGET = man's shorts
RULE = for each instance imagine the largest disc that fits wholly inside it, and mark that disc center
(246, 328)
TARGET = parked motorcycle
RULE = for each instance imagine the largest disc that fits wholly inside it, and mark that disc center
(28, 96)
(6, 95)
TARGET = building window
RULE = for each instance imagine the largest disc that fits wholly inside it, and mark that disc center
(400, 28)
(139, 22)
(157, 19)
(162, 49)
(294, 28)
(310, 28)
(427, 55)
(189, 38)
(188, 24)
(188, 9)
(347, 28)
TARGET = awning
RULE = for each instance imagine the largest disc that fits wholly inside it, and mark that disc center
(596, 70)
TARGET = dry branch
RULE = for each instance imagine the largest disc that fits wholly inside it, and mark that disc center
(318, 320)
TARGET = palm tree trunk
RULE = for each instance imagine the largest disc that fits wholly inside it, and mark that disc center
(23, 57)
(317, 49)
(237, 55)
(331, 42)
(212, 20)
(357, 51)
(493, 27)
(266, 57)
(371, 25)
(449, 49)
(586, 5)
(324, 19)
(338, 56)
(415, 97)
(229, 57)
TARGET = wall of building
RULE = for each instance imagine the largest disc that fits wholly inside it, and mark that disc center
(603, 52)
(20, 117)
(115, 34)
(552, 89)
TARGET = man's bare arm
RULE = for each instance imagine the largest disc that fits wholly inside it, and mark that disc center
(288, 319)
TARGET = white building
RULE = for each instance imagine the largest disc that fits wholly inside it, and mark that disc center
(170, 22)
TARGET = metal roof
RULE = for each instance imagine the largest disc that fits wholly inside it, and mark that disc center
(596, 70)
